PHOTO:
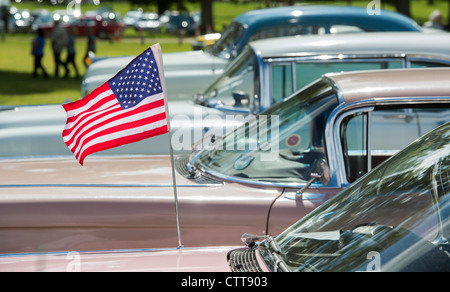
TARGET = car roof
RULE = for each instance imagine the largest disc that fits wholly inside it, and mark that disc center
(382, 84)
(325, 13)
(376, 43)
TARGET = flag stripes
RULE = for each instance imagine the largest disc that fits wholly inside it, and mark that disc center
(99, 122)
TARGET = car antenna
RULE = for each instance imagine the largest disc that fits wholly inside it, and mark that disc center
(270, 209)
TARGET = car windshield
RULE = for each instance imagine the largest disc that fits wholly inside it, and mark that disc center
(225, 46)
(236, 87)
(385, 221)
(282, 145)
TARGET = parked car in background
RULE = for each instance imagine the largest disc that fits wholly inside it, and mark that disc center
(103, 27)
(249, 26)
(325, 136)
(267, 73)
(131, 17)
(395, 219)
(202, 42)
(20, 20)
(148, 22)
(304, 20)
(46, 21)
(182, 23)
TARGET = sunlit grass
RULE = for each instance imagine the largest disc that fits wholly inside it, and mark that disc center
(18, 87)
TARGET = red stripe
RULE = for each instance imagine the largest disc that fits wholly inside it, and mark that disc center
(82, 102)
(93, 109)
(121, 141)
(123, 127)
(87, 117)
(137, 110)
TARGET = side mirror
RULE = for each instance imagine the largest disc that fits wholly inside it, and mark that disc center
(321, 172)
(251, 239)
(239, 97)
(199, 98)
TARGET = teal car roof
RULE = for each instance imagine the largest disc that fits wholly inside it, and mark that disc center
(386, 20)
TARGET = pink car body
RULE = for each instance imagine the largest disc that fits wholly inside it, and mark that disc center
(127, 202)
(50, 207)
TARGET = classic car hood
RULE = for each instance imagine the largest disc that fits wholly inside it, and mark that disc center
(106, 171)
(176, 65)
(150, 260)
(172, 61)
(31, 131)
(122, 202)
(128, 202)
(109, 66)
(192, 60)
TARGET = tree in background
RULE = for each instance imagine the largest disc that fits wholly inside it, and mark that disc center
(207, 24)
(402, 6)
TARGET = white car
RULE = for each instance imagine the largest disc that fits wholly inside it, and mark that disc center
(188, 73)
(266, 72)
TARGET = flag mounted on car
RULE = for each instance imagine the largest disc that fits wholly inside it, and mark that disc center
(128, 108)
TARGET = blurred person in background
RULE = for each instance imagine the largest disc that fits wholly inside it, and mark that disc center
(71, 53)
(58, 38)
(90, 49)
(435, 20)
(37, 50)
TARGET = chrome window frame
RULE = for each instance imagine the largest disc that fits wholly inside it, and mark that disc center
(267, 62)
(332, 133)
(332, 128)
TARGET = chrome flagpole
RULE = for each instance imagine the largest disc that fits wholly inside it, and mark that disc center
(157, 52)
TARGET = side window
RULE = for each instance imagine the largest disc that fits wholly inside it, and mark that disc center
(368, 139)
(287, 30)
(354, 145)
(405, 126)
(306, 73)
(281, 82)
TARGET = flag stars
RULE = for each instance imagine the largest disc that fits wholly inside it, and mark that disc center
(138, 81)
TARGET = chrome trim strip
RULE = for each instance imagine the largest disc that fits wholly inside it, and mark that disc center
(234, 179)
(427, 58)
(306, 57)
(369, 141)
(362, 57)
(332, 129)
(102, 185)
(265, 78)
(294, 77)
(116, 251)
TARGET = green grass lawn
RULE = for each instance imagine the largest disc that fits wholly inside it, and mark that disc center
(18, 87)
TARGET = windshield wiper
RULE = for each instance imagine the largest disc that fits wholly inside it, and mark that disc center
(280, 264)
(252, 240)
(190, 165)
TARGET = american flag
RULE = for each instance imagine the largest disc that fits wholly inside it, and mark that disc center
(128, 108)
